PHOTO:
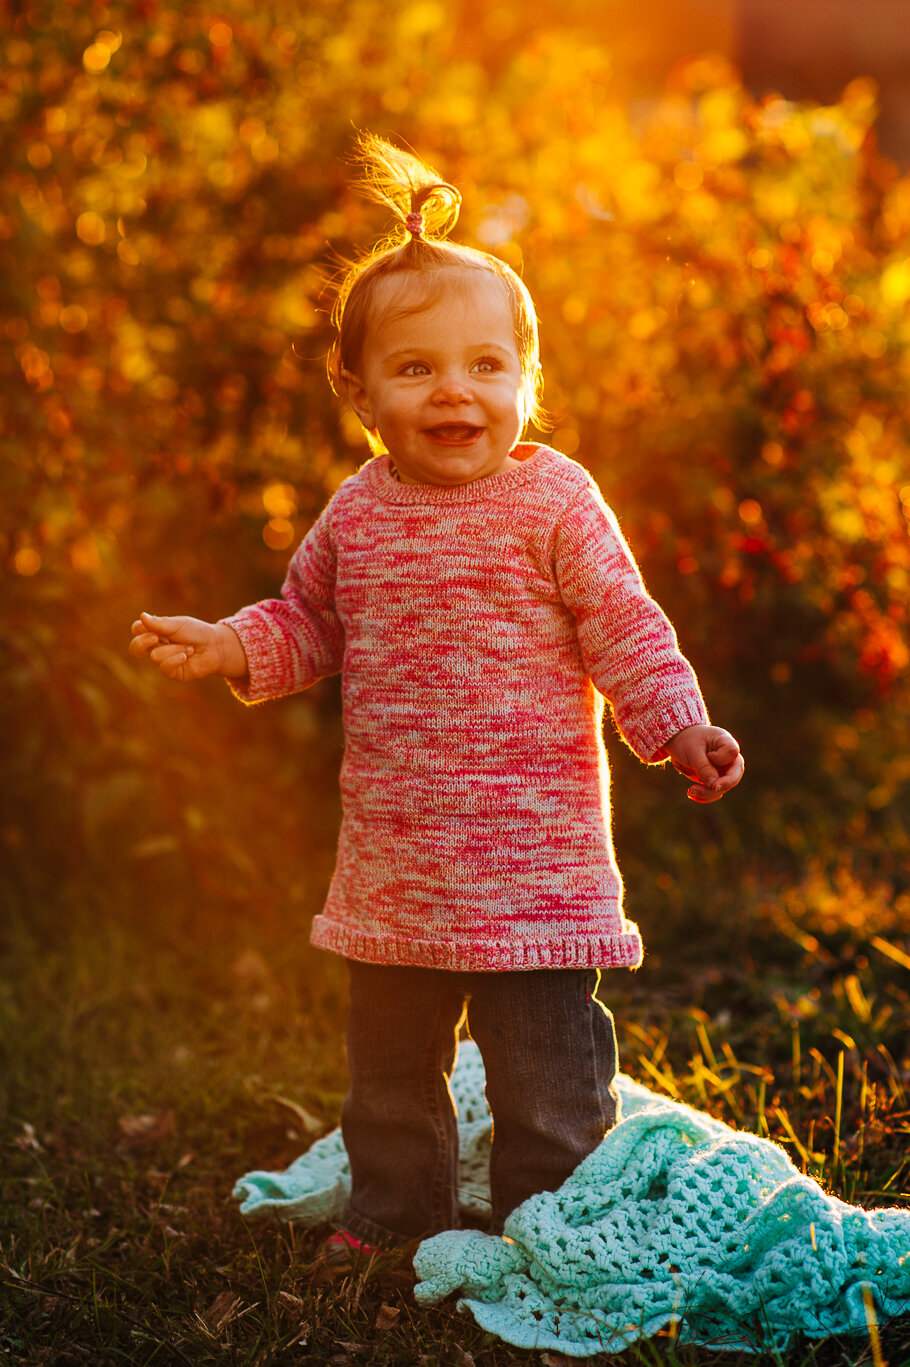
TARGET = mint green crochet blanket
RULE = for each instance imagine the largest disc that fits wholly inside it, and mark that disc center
(675, 1221)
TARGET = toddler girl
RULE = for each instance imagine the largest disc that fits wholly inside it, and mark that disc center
(477, 597)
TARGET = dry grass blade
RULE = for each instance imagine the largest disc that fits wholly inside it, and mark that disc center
(310, 1123)
(875, 1342)
(666, 1083)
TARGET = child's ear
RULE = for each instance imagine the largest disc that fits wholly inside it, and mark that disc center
(356, 395)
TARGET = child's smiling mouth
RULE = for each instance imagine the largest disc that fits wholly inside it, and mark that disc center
(453, 433)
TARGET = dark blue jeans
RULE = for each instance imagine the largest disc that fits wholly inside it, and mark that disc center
(549, 1051)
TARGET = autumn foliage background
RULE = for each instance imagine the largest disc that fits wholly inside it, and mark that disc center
(723, 287)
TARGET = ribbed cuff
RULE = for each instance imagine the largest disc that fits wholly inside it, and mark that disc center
(650, 735)
(257, 645)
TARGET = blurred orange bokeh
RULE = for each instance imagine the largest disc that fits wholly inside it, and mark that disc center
(722, 274)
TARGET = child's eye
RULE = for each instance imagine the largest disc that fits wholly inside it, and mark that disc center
(415, 368)
(487, 364)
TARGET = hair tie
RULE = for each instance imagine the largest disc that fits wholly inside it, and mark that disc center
(414, 224)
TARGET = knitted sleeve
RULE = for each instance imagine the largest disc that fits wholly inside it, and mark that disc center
(628, 646)
(292, 641)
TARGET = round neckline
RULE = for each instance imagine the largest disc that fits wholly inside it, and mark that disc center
(392, 490)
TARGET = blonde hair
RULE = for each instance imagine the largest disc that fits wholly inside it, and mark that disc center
(409, 187)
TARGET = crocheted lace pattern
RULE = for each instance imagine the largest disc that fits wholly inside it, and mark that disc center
(674, 1222)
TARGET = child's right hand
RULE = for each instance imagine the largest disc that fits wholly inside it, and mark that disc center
(184, 648)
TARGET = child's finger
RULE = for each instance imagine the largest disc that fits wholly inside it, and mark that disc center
(716, 789)
(166, 648)
(699, 793)
(140, 646)
(169, 655)
(732, 774)
(724, 754)
(162, 626)
(703, 795)
(705, 770)
(141, 632)
(150, 628)
(727, 756)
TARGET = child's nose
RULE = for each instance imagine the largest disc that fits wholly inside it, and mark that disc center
(452, 389)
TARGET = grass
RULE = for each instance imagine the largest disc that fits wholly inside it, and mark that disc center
(146, 1065)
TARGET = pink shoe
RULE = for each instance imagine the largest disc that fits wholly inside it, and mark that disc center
(342, 1247)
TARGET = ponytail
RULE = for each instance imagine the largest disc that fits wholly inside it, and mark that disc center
(425, 205)
(425, 208)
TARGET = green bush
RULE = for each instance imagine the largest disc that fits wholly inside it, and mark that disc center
(723, 289)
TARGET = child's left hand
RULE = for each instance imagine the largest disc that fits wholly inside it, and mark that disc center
(710, 755)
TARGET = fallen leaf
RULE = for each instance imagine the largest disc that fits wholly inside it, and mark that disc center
(388, 1316)
(558, 1360)
(223, 1309)
(142, 1131)
(292, 1305)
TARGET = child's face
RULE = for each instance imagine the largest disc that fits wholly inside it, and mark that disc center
(442, 384)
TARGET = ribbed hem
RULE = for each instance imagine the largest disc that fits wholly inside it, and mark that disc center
(623, 949)
(390, 490)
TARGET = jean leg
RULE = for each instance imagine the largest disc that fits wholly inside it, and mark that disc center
(549, 1050)
(398, 1119)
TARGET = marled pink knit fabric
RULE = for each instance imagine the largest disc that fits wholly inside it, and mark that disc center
(475, 628)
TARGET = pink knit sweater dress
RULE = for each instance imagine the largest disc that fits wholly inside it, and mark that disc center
(478, 629)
